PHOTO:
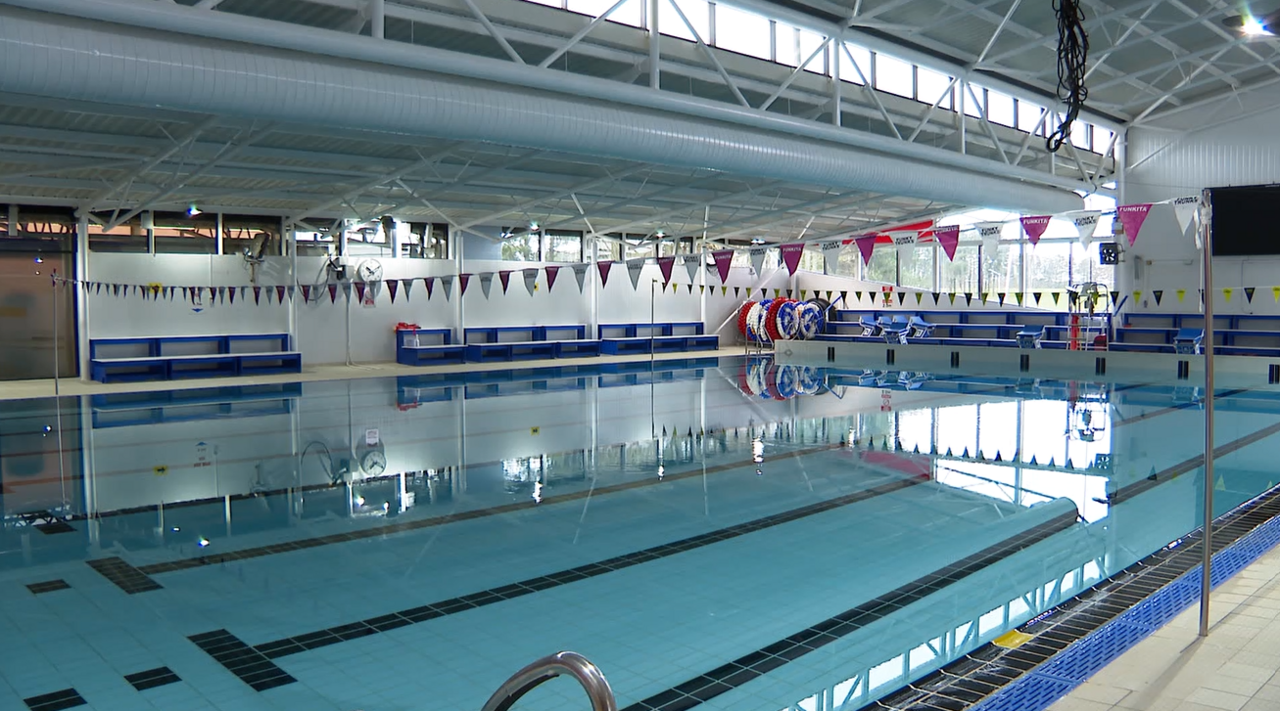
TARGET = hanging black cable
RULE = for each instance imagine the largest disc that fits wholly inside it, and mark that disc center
(1073, 51)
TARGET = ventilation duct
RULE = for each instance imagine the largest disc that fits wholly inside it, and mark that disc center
(176, 57)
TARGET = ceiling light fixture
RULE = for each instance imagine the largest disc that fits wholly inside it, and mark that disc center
(1250, 25)
(192, 210)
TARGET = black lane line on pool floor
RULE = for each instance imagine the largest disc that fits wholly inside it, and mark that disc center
(247, 663)
(758, 663)
(125, 576)
(383, 623)
(55, 701)
(989, 669)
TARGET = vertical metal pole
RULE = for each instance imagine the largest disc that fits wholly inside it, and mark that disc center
(654, 76)
(82, 297)
(1206, 213)
(377, 18)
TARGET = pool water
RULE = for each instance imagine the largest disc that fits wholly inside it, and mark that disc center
(713, 534)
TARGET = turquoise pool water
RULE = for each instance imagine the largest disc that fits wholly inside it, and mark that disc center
(408, 543)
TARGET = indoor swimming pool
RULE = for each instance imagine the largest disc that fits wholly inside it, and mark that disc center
(712, 533)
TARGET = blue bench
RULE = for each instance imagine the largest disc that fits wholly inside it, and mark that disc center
(144, 408)
(495, 343)
(410, 349)
(666, 337)
(233, 355)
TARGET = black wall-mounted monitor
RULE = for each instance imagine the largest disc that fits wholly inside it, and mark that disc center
(1244, 220)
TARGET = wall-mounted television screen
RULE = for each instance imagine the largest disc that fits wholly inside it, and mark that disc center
(1244, 220)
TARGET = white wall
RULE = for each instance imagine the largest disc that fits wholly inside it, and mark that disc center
(1232, 142)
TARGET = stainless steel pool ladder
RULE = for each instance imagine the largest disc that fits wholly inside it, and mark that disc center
(550, 667)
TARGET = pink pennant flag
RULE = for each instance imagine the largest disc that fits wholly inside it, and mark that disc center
(280, 294)
(551, 276)
(866, 244)
(463, 280)
(1035, 225)
(360, 287)
(431, 283)
(664, 265)
(393, 286)
(1132, 217)
(257, 295)
(723, 259)
(949, 238)
(306, 292)
(791, 255)
(505, 276)
(603, 266)
(333, 293)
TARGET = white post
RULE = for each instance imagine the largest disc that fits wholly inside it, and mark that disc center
(1206, 213)
(377, 18)
(654, 46)
(82, 296)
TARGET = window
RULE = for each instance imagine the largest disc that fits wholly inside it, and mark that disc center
(961, 274)
(894, 76)
(1000, 108)
(855, 71)
(1029, 118)
(1048, 267)
(811, 261)
(520, 248)
(561, 246)
(915, 268)
(631, 12)
(806, 44)
(849, 263)
(1102, 139)
(930, 85)
(975, 103)
(883, 266)
(742, 32)
(698, 12)
(1082, 135)
(1001, 267)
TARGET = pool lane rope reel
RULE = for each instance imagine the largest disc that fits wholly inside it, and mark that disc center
(762, 378)
(782, 319)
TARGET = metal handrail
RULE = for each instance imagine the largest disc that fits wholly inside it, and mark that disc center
(550, 667)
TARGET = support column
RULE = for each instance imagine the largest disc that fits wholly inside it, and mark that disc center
(654, 45)
(81, 297)
(377, 18)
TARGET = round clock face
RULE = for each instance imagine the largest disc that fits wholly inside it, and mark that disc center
(374, 463)
(370, 270)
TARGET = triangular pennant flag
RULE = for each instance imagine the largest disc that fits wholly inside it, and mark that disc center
(1086, 223)
(392, 287)
(1227, 292)
(1184, 210)
(360, 287)
(603, 266)
(333, 293)
(430, 283)
(788, 293)
(531, 280)
(791, 254)
(1275, 293)
(803, 294)
(1055, 296)
(831, 250)
(952, 296)
(1181, 294)
(244, 291)
(186, 293)
(634, 267)
(675, 288)
(691, 288)
(664, 265)
(724, 260)
(257, 295)
(97, 288)
(1137, 297)
(736, 292)
(690, 262)
(280, 294)
(1034, 226)
(984, 298)
(902, 296)
(702, 288)
(724, 290)
(551, 276)
(757, 258)
(1158, 294)
(1131, 218)
(1036, 295)
(505, 277)
(935, 298)
(844, 296)
(949, 238)
(905, 242)
(1018, 296)
(486, 281)
(407, 284)
(1000, 297)
(1115, 298)
(446, 284)
(1248, 294)
(776, 293)
(1202, 297)
(306, 292)
(968, 298)
(580, 274)
(857, 296)
(866, 246)
(346, 291)
(989, 233)
(919, 297)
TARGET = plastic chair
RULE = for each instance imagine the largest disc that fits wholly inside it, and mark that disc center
(1188, 341)
(869, 326)
(920, 327)
(1029, 337)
